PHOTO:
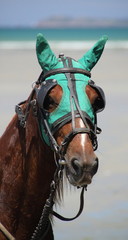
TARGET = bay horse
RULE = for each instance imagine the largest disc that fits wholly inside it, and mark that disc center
(55, 129)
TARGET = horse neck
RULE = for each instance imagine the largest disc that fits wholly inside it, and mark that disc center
(27, 169)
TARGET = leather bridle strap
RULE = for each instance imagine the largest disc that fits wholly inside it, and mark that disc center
(79, 212)
(67, 118)
(43, 76)
(73, 100)
(68, 138)
(43, 224)
(22, 116)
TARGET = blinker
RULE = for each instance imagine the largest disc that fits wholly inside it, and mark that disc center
(46, 86)
(99, 105)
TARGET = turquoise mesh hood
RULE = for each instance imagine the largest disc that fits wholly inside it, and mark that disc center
(64, 106)
(48, 61)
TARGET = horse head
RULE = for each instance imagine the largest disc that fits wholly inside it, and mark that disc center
(68, 103)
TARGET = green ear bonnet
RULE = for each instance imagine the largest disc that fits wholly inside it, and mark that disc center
(48, 62)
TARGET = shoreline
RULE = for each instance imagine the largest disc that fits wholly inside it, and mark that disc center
(63, 45)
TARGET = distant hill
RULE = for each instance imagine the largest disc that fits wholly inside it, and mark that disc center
(63, 22)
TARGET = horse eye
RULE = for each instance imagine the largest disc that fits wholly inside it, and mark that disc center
(49, 103)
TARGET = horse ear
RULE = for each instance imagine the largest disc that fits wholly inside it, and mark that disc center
(46, 57)
(93, 55)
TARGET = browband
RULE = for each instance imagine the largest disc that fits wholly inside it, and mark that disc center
(43, 76)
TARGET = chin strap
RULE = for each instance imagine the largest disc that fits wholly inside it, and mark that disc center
(79, 212)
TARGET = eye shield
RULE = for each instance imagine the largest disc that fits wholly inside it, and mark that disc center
(101, 101)
(46, 86)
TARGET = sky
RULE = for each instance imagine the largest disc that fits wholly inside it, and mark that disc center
(30, 12)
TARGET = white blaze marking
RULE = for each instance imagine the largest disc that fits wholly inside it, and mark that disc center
(82, 135)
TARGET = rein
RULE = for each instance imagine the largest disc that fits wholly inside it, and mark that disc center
(44, 222)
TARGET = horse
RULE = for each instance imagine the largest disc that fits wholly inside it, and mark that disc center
(54, 132)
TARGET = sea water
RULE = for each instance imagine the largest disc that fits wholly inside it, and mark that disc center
(75, 38)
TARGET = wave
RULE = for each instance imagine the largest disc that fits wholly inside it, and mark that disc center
(17, 45)
(61, 45)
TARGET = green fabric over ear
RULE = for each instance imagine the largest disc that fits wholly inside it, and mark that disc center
(93, 55)
(46, 57)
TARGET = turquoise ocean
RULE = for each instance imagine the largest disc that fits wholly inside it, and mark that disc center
(24, 38)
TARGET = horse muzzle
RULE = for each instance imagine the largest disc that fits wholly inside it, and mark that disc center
(80, 174)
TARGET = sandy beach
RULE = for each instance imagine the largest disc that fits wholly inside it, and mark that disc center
(105, 215)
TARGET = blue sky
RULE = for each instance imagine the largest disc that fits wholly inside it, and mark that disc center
(29, 12)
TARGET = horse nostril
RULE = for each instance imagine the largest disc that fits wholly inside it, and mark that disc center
(76, 167)
(95, 166)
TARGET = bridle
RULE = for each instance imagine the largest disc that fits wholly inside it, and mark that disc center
(61, 150)
(41, 114)
(69, 72)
